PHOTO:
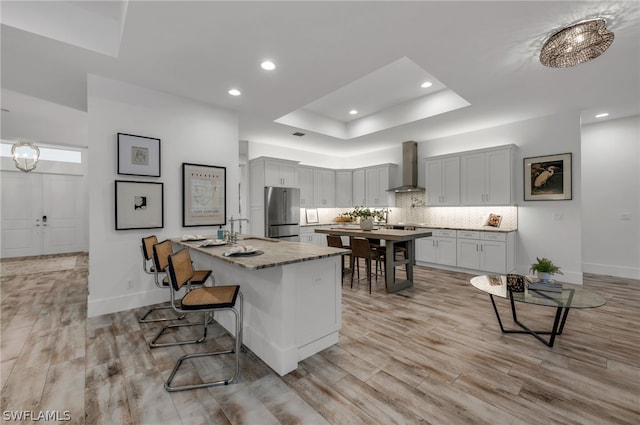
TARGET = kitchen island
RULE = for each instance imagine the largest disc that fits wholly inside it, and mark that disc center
(292, 295)
(391, 237)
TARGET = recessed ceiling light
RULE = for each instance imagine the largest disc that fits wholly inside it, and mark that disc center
(268, 65)
(234, 92)
(426, 84)
(353, 112)
(602, 115)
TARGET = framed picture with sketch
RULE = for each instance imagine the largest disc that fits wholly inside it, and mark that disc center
(138, 155)
(204, 195)
(547, 178)
(312, 215)
(139, 205)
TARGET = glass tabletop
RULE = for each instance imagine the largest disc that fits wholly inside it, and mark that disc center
(572, 296)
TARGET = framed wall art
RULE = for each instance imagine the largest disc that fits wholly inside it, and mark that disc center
(204, 195)
(312, 215)
(493, 220)
(138, 155)
(547, 178)
(139, 205)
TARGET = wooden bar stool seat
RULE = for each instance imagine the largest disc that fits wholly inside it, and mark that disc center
(361, 248)
(207, 300)
(335, 241)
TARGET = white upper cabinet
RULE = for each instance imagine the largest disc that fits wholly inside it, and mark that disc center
(305, 179)
(443, 181)
(377, 181)
(280, 173)
(270, 172)
(344, 189)
(359, 194)
(486, 177)
(324, 188)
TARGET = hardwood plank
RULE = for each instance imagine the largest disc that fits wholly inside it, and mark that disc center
(431, 354)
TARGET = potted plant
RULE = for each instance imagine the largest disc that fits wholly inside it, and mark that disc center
(545, 268)
(367, 216)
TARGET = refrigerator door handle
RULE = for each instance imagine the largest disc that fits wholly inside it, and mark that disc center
(284, 203)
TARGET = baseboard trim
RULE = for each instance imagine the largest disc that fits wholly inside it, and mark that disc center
(126, 302)
(608, 270)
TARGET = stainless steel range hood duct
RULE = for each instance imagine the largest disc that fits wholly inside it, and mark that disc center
(409, 169)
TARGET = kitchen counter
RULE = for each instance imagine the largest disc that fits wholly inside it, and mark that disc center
(478, 228)
(275, 252)
(421, 226)
(292, 296)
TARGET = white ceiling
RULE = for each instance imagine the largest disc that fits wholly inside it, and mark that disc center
(330, 57)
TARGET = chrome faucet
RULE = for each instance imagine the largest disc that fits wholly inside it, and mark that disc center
(232, 233)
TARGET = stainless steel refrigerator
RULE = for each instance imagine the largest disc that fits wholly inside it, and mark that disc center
(282, 213)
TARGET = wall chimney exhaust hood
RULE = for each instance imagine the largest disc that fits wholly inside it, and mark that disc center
(409, 169)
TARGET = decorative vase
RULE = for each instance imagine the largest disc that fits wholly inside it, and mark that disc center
(544, 277)
(366, 223)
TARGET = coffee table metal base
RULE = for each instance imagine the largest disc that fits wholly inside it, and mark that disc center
(558, 324)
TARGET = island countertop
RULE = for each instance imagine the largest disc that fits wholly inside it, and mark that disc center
(380, 233)
(291, 296)
(275, 252)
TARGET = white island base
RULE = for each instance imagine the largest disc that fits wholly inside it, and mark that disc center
(290, 311)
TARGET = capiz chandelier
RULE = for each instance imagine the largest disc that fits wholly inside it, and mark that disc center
(576, 44)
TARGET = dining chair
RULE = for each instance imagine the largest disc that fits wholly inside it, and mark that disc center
(149, 268)
(207, 300)
(161, 253)
(335, 241)
(361, 248)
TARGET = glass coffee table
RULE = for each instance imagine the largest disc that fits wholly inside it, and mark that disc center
(572, 296)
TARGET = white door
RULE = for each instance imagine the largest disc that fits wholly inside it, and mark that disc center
(41, 214)
(62, 209)
(21, 201)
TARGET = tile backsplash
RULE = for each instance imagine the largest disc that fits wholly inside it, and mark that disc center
(411, 208)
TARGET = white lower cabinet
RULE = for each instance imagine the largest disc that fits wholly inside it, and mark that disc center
(485, 251)
(438, 249)
(491, 252)
(308, 235)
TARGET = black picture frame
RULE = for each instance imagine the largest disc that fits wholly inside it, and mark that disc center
(548, 178)
(139, 205)
(204, 195)
(138, 155)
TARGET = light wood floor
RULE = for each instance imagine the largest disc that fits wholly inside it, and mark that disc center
(431, 354)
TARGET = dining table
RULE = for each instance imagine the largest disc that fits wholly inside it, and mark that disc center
(391, 238)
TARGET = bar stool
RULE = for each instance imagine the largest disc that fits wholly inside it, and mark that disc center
(161, 253)
(149, 268)
(335, 241)
(361, 248)
(206, 300)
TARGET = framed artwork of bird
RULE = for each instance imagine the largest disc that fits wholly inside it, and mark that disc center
(547, 178)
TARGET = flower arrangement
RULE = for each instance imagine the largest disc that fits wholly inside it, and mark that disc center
(365, 213)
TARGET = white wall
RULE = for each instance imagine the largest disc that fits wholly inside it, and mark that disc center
(545, 228)
(611, 197)
(539, 234)
(189, 132)
(393, 156)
